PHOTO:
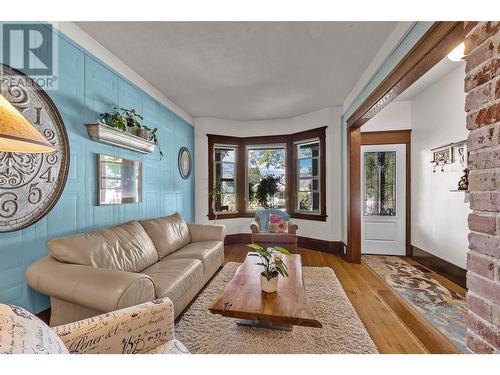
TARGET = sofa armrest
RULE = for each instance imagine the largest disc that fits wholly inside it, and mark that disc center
(96, 288)
(292, 228)
(207, 232)
(136, 329)
(254, 226)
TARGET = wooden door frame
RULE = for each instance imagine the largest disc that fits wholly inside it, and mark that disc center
(434, 45)
(395, 137)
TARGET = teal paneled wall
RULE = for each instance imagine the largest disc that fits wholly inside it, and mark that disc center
(87, 87)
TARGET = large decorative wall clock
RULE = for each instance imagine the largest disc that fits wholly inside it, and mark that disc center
(31, 184)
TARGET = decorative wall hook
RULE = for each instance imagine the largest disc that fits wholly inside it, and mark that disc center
(463, 183)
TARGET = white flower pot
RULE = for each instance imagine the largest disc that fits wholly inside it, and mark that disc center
(269, 286)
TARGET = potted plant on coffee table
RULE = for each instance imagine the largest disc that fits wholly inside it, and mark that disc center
(273, 266)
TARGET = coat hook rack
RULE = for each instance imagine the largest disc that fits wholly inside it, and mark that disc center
(448, 154)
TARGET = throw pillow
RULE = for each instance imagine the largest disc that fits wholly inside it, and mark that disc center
(277, 224)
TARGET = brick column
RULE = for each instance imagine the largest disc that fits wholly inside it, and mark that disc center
(482, 104)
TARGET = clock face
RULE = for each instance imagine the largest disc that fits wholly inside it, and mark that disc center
(30, 184)
(184, 162)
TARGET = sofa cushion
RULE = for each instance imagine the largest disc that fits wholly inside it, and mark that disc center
(211, 253)
(173, 278)
(22, 332)
(125, 247)
(168, 233)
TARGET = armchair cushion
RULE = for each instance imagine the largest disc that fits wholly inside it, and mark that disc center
(23, 333)
(277, 224)
(168, 233)
(262, 217)
(124, 247)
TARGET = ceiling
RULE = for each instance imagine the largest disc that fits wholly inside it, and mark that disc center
(246, 70)
(438, 71)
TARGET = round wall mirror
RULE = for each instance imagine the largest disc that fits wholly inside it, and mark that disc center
(184, 162)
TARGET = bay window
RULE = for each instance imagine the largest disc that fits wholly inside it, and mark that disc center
(284, 172)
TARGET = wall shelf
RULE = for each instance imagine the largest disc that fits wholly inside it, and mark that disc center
(466, 195)
(111, 136)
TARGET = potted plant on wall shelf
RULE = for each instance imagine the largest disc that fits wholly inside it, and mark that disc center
(143, 132)
(273, 266)
(114, 120)
(131, 117)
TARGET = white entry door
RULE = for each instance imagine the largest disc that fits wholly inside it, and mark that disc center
(383, 199)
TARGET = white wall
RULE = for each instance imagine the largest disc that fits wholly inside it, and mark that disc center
(331, 117)
(396, 116)
(436, 117)
(439, 217)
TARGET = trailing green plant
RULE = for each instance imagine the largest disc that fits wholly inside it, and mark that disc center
(273, 266)
(153, 137)
(266, 189)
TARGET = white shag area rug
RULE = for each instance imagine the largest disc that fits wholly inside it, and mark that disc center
(342, 332)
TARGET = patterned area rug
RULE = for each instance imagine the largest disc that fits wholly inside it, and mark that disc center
(443, 308)
(342, 332)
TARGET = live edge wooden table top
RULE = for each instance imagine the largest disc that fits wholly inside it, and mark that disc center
(243, 298)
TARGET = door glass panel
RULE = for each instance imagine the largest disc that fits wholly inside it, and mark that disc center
(380, 183)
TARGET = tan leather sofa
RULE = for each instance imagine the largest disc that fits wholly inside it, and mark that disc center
(125, 265)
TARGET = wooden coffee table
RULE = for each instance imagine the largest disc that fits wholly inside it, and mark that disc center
(243, 298)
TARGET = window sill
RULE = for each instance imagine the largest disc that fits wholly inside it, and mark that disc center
(230, 216)
(304, 216)
(301, 216)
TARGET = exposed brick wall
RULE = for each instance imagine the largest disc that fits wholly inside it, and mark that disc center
(482, 104)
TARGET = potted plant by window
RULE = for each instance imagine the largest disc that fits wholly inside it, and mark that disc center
(273, 266)
(218, 190)
(266, 189)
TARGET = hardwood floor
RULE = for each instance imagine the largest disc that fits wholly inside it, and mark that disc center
(394, 326)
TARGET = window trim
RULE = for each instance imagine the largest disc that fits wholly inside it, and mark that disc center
(235, 177)
(279, 146)
(290, 141)
(298, 178)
